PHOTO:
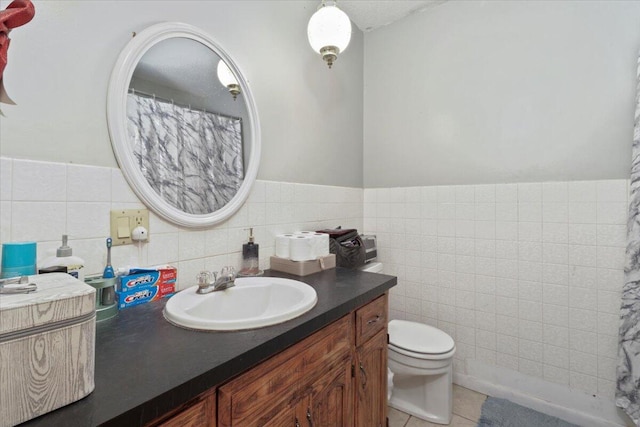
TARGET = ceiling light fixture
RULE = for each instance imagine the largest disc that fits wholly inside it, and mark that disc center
(228, 80)
(329, 31)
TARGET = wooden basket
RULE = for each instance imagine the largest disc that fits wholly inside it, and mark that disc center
(303, 268)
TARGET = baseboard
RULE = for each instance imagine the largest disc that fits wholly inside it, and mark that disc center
(559, 401)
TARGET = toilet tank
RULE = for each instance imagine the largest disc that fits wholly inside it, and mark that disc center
(372, 267)
(47, 347)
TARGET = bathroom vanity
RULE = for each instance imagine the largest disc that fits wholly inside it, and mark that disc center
(324, 368)
(324, 380)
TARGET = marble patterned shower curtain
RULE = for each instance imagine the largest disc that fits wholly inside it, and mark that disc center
(628, 381)
(193, 159)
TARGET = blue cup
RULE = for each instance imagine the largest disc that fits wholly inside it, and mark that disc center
(18, 259)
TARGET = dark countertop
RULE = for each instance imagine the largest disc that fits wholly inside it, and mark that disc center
(145, 367)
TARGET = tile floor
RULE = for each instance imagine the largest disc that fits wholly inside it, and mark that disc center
(466, 411)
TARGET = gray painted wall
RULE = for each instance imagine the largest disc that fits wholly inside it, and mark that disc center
(489, 91)
(59, 66)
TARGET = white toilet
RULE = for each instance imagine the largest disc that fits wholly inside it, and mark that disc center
(420, 358)
(420, 365)
(372, 267)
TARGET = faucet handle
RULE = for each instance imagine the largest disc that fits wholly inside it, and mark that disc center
(204, 278)
(228, 271)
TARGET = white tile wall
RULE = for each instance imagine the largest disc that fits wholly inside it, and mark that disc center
(523, 276)
(41, 201)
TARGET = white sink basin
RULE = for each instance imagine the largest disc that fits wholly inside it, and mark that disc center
(254, 302)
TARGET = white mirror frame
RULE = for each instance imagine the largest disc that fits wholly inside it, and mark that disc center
(117, 124)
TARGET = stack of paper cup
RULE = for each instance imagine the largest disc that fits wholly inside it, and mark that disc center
(302, 248)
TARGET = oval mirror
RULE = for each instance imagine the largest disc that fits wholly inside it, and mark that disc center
(183, 125)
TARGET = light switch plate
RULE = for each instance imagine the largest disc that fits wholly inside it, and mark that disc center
(123, 221)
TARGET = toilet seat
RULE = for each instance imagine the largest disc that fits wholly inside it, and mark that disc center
(420, 341)
(422, 356)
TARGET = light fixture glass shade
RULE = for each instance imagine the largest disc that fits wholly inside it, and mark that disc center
(228, 80)
(225, 75)
(329, 29)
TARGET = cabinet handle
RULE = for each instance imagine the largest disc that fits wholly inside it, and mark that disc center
(374, 320)
(309, 417)
(364, 376)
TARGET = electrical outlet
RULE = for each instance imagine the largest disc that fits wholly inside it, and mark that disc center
(124, 221)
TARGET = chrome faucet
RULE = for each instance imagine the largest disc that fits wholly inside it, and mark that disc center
(24, 287)
(225, 280)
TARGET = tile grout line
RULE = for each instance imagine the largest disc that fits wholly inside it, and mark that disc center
(469, 419)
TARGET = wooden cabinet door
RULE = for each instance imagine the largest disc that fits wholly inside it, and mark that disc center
(371, 382)
(291, 416)
(201, 412)
(331, 399)
(269, 394)
(264, 393)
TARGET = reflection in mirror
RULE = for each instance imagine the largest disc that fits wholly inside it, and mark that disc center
(185, 127)
(227, 79)
(187, 144)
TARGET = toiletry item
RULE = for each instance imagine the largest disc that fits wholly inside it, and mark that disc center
(302, 248)
(109, 294)
(18, 259)
(106, 306)
(142, 285)
(250, 259)
(321, 243)
(64, 257)
(139, 296)
(54, 269)
(123, 271)
(108, 270)
(164, 276)
(282, 245)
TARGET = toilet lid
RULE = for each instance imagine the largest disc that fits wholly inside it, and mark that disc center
(419, 338)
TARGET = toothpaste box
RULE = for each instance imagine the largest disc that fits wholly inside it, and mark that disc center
(164, 276)
(144, 285)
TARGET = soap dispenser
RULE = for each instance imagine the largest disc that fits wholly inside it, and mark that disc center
(65, 260)
(250, 258)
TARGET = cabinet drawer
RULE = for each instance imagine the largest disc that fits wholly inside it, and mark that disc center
(370, 319)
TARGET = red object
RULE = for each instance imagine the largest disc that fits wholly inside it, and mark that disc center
(18, 13)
